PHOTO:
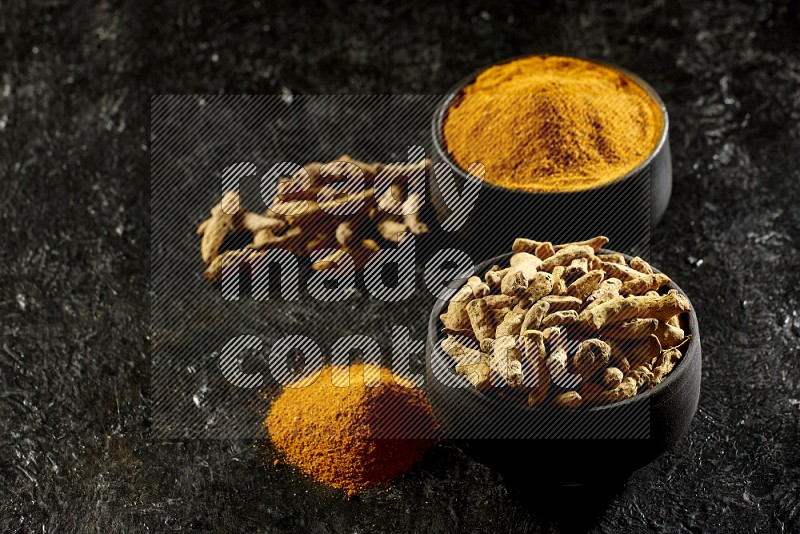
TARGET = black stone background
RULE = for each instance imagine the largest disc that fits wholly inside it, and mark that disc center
(75, 449)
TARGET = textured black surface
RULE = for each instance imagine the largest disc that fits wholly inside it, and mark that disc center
(74, 390)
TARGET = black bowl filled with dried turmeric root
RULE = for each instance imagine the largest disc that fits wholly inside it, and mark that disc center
(568, 362)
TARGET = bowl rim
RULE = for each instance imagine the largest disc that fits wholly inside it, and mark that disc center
(692, 350)
(443, 107)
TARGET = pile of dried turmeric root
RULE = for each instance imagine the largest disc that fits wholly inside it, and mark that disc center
(323, 206)
(566, 325)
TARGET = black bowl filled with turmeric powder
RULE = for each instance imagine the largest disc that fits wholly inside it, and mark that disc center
(556, 146)
(568, 363)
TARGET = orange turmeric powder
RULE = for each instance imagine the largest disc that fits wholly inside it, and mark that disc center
(351, 436)
(551, 124)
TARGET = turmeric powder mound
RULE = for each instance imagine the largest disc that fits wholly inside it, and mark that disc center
(550, 124)
(349, 436)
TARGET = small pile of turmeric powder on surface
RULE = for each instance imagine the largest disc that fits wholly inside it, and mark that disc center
(352, 435)
(550, 124)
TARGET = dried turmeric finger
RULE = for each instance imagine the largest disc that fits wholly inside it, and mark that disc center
(540, 285)
(643, 375)
(534, 316)
(643, 284)
(457, 317)
(621, 271)
(560, 318)
(465, 333)
(569, 399)
(525, 245)
(557, 364)
(586, 284)
(345, 232)
(477, 372)
(576, 269)
(632, 329)
(371, 245)
(514, 283)
(390, 202)
(562, 302)
(411, 207)
(625, 390)
(296, 211)
(666, 362)
(229, 258)
(266, 237)
(523, 269)
(392, 230)
(613, 257)
(591, 357)
(534, 344)
(669, 335)
(566, 256)
(612, 377)
(544, 250)
(505, 360)
(470, 363)
(608, 289)
(640, 265)
(478, 286)
(596, 243)
(500, 301)
(330, 261)
(495, 278)
(511, 325)
(215, 229)
(253, 222)
(458, 351)
(559, 283)
(499, 314)
(522, 306)
(537, 377)
(455, 348)
(481, 318)
(637, 352)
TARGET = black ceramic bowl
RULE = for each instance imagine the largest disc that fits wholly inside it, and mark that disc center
(560, 445)
(624, 209)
